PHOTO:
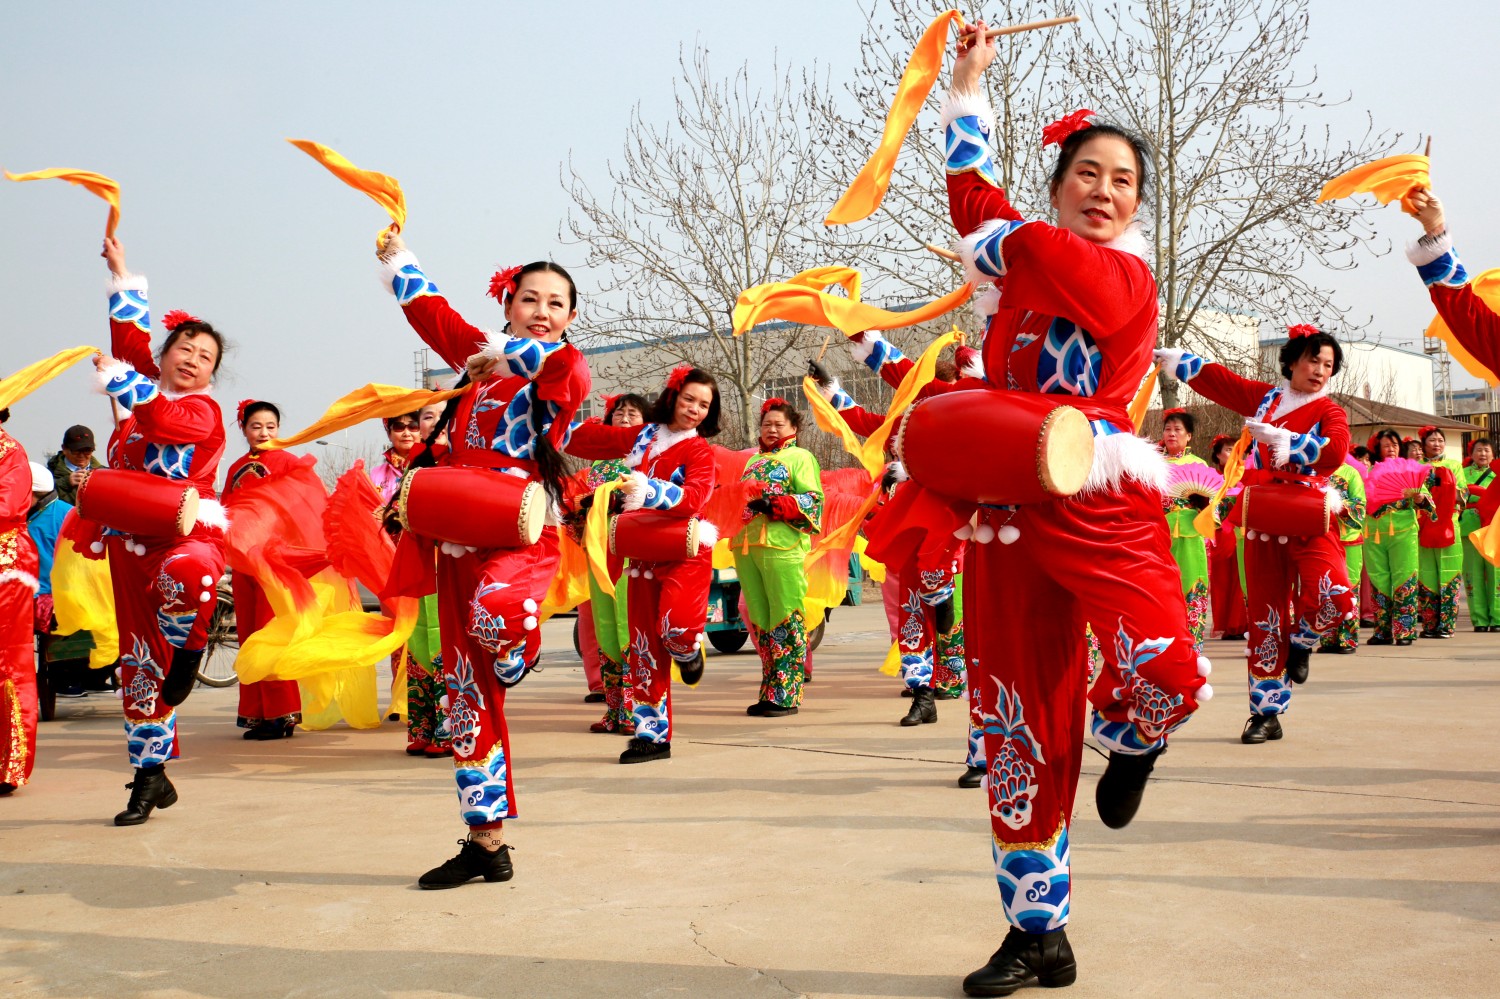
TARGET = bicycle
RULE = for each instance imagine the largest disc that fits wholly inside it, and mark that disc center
(216, 668)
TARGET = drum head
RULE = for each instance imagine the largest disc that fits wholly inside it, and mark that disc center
(187, 513)
(1065, 451)
(533, 515)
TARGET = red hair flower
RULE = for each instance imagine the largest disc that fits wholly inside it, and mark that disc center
(176, 318)
(1300, 330)
(678, 376)
(503, 283)
(1425, 432)
(775, 400)
(1179, 411)
(1059, 130)
(239, 411)
(609, 401)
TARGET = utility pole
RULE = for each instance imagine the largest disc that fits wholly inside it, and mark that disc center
(1438, 350)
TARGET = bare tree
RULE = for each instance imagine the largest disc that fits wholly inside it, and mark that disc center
(728, 195)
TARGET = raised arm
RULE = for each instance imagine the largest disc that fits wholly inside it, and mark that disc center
(188, 419)
(129, 313)
(688, 497)
(596, 441)
(1214, 381)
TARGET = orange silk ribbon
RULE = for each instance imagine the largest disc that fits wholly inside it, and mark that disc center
(366, 403)
(1487, 286)
(32, 377)
(829, 419)
(1207, 521)
(801, 299)
(95, 183)
(386, 191)
(868, 189)
(1142, 401)
(1390, 179)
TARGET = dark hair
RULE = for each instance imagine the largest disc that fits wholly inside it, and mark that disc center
(1311, 345)
(1219, 445)
(665, 406)
(5, 414)
(1478, 441)
(632, 399)
(1068, 151)
(1386, 434)
(1434, 430)
(785, 409)
(190, 329)
(256, 407)
(1185, 418)
(550, 267)
(1411, 442)
(390, 421)
(1361, 452)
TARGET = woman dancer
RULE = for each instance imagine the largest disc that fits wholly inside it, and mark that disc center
(269, 709)
(526, 383)
(163, 585)
(1226, 564)
(1077, 317)
(1440, 555)
(787, 509)
(606, 610)
(1479, 576)
(18, 585)
(672, 471)
(1344, 638)
(1301, 437)
(1391, 557)
(1189, 548)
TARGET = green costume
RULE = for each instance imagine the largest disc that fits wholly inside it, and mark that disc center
(769, 552)
(1391, 562)
(611, 627)
(1480, 581)
(1351, 521)
(1190, 549)
(1439, 569)
(426, 721)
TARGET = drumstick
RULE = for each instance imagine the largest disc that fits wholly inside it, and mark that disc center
(1050, 22)
(943, 252)
(824, 349)
(1428, 151)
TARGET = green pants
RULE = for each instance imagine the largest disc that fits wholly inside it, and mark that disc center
(1346, 634)
(610, 626)
(1190, 552)
(1438, 575)
(1391, 561)
(1483, 588)
(774, 586)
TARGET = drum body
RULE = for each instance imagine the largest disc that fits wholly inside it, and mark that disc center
(999, 448)
(473, 507)
(138, 502)
(653, 536)
(1286, 510)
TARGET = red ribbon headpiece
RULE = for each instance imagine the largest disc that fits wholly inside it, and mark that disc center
(1300, 330)
(1059, 130)
(775, 400)
(678, 376)
(176, 318)
(503, 283)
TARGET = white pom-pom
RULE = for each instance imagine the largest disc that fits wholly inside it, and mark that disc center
(468, 549)
(1008, 534)
(207, 581)
(1349, 616)
(97, 547)
(528, 605)
(443, 702)
(119, 673)
(1204, 666)
(529, 622)
(1247, 651)
(965, 532)
(634, 572)
(140, 548)
(650, 574)
(1204, 693)
(984, 534)
(120, 693)
(1283, 539)
(205, 597)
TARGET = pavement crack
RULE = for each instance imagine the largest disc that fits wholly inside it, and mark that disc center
(698, 941)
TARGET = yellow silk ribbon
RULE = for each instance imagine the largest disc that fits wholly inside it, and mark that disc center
(869, 186)
(596, 535)
(873, 453)
(829, 419)
(95, 183)
(32, 377)
(1207, 521)
(83, 599)
(368, 402)
(1390, 179)
(385, 191)
(1486, 541)
(801, 299)
(1142, 401)
(570, 586)
(1487, 286)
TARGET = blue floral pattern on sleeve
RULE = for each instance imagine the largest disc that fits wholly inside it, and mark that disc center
(1447, 271)
(130, 306)
(410, 284)
(966, 147)
(130, 388)
(987, 256)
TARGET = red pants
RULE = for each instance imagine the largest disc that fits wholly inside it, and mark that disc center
(667, 605)
(923, 663)
(18, 704)
(588, 645)
(487, 606)
(1104, 561)
(1306, 578)
(164, 600)
(1224, 586)
(266, 700)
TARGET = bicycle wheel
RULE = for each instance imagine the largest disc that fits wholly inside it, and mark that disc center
(216, 668)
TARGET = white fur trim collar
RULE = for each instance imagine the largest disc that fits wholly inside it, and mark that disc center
(1132, 241)
(665, 439)
(1292, 401)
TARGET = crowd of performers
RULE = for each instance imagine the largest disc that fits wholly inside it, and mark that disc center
(1036, 609)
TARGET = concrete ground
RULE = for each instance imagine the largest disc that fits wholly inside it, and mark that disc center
(826, 854)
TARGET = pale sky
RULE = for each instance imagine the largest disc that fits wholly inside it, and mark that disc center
(473, 106)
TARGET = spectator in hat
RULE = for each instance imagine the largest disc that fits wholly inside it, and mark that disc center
(68, 465)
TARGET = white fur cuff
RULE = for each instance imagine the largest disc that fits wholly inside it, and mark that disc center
(830, 390)
(110, 372)
(211, 513)
(1426, 249)
(390, 267)
(1118, 457)
(965, 249)
(961, 104)
(495, 344)
(861, 349)
(126, 282)
(987, 302)
(19, 576)
(635, 491)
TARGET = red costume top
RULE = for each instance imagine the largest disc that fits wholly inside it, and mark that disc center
(678, 467)
(1472, 320)
(18, 557)
(257, 464)
(178, 437)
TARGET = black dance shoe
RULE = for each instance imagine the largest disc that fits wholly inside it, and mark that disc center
(758, 709)
(1401, 641)
(6, 789)
(1341, 650)
(1427, 633)
(1117, 796)
(773, 710)
(692, 669)
(150, 790)
(473, 861)
(1235, 636)
(1297, 663)
(644, 751)
(1442, 634)
(1261, 728)
(1382, 640)
(1044, 959)
(594, 697)
(181, 677)
(923, 709)
(972, 777)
